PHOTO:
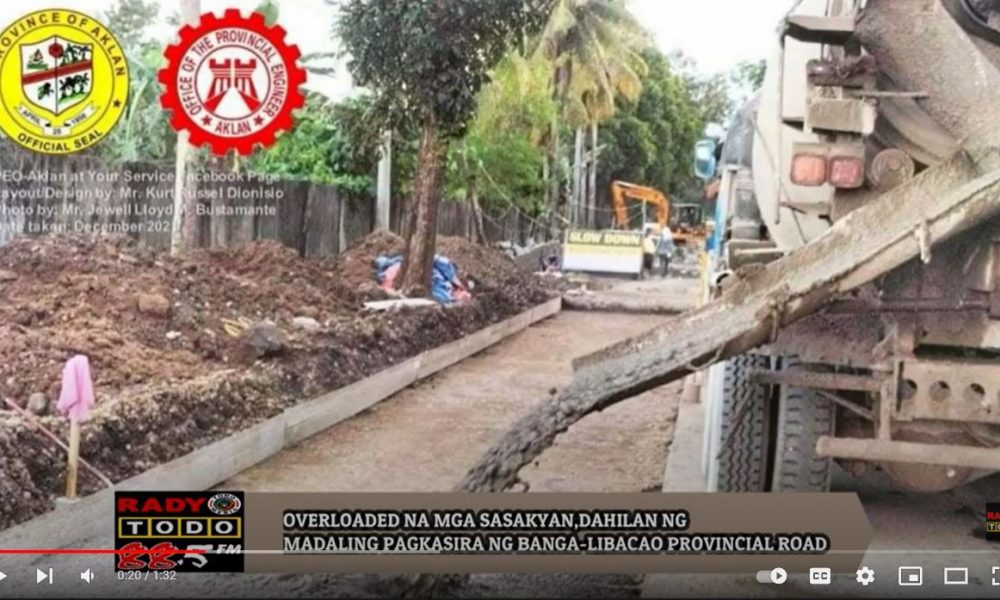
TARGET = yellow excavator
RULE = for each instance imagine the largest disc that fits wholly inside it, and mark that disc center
(687, 224)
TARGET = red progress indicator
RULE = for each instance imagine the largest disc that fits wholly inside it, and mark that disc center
(82, 551)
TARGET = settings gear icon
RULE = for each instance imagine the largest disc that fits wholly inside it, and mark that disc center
(866, 576)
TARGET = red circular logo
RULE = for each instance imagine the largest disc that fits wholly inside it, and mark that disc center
(232, 82)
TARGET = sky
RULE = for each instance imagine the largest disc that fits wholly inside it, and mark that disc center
(717, 34)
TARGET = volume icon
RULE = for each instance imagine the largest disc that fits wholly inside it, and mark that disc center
(87, 576)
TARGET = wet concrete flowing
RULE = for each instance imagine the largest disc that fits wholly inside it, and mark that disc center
(942, 202)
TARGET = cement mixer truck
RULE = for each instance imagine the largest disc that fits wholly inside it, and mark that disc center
(854, 318)
(871, 116)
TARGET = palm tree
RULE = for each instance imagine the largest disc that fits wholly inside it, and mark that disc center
(595, 48)
(66, 87)
(69, 57)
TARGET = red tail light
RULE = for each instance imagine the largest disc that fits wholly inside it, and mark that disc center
(809, 169)
(847, 172)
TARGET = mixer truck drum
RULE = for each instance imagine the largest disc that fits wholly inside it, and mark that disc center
(980, 18)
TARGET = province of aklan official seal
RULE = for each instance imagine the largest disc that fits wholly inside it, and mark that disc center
(64, 81)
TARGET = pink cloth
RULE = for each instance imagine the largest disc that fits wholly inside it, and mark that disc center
(77, 395)
(389, 280)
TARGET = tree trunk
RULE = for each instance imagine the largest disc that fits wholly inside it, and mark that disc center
(592, 188)
(184, 223)
(383, 202)
(415, 276)
(562, 207)
(547, 199)
(578, 179)
(477, 215)
(555, 191)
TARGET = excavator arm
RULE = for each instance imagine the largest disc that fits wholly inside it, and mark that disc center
(622, 192)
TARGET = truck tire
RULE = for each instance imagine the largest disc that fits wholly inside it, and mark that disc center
(803, 417)
(746, 424)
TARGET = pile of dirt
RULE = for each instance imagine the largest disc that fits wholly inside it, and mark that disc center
(483, 266)
(167, 339)
(31, 468)
(141, 317)
(356, 266)
(486, 269)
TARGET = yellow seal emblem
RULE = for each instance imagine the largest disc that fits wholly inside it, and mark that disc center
(64, 81)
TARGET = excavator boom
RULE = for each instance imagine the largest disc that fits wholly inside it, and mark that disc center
(622, 192)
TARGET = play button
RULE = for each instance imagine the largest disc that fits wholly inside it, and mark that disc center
(3, 576)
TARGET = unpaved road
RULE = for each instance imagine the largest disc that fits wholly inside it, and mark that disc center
(422, 440)
(660, 296)
(425, 437)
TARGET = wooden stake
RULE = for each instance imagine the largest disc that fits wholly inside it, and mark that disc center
(38, 427)
(73, 460)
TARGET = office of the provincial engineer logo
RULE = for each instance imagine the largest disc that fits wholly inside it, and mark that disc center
(64, 81)
(232, 82)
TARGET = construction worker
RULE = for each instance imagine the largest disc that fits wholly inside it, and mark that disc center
(665, 249)
(649, 245)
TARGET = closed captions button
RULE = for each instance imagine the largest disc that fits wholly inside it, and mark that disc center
(820, 576)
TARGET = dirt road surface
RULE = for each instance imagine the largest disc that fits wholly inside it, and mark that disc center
(422, 440)
(423, 437)
(657, 296)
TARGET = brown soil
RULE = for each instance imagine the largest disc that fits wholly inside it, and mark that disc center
(165, 370)
(482, 267)
(78, 295)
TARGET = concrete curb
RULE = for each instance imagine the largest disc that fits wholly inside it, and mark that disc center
(682, 475)
(598, 302)
(93, 515)
(683, 472)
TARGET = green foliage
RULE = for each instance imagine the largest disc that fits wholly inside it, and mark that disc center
(517, 99)
(719, 94)
(745, 80)
(749, 74)
(713, 94)
(129, 20)
(501, 172)
(649, 142)
(330, 145)
(595, 48)
(268, 8)
(501, 157)
(144, 132)
(428, 59)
